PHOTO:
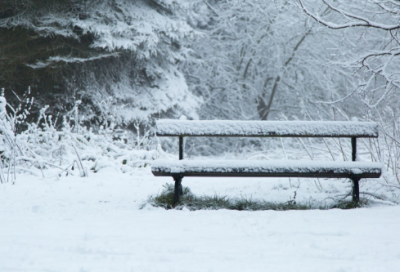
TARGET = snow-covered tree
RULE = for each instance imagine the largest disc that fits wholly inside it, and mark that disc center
(369, 50)
(120, 58)
(261, 58)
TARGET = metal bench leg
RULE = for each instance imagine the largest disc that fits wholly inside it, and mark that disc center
(355, 179)
(356, 190)
(178, 187)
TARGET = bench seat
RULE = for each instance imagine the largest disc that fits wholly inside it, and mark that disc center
(264, 168)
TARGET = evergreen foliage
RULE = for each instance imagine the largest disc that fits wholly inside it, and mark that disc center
(123, 52)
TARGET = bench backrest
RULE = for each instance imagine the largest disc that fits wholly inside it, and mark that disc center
(229, 128)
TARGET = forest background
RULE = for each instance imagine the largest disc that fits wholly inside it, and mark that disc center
(110, 68)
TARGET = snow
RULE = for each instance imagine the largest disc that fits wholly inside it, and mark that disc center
(266, 128)
(51, 60)
(96, 224)
(269, 168)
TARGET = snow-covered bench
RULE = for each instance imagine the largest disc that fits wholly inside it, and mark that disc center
(354, 170)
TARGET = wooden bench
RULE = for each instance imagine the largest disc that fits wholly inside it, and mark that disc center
(353, 170)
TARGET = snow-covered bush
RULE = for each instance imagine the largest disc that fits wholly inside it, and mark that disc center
(44, 150)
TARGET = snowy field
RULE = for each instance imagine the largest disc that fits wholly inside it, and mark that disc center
(97, 224)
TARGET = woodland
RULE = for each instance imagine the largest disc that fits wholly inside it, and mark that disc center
(112, 67)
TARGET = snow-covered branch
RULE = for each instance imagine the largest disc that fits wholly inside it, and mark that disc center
(358, 21)
(370, 44)
(69, 59)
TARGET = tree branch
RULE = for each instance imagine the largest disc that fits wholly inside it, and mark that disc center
(364, 22)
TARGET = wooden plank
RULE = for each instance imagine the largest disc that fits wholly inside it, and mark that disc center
(316, 174)
(218, 128)
(232, 168)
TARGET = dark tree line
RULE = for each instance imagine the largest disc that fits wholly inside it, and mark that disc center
(111, 56)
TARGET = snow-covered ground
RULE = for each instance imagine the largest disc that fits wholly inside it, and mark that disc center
(96, 224)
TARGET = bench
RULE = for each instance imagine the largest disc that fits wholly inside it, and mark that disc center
(354, 170)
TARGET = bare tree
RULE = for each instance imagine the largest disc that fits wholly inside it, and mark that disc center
(261, 58)
(370, 46)
(370, 51)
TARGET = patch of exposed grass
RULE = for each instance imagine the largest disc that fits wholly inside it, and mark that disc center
(346, 204)
(192, 202)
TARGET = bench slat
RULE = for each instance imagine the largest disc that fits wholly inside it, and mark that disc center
(230, 168)
(213, 128)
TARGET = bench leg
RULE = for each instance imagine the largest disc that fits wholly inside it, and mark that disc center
(178, 187)
(356, 190)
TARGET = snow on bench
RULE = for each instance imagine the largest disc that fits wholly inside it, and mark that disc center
(258, 168)
(227, 168)
(266, 128)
